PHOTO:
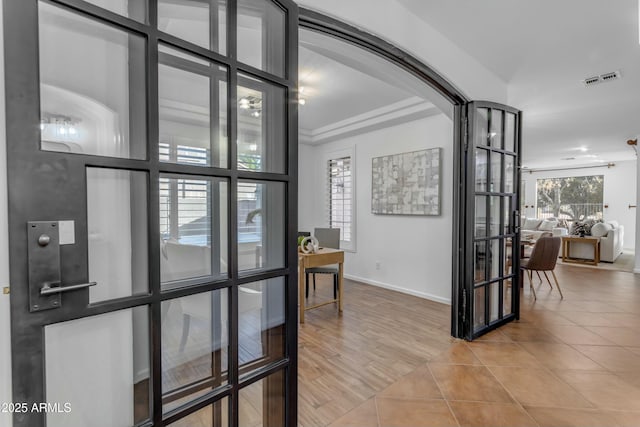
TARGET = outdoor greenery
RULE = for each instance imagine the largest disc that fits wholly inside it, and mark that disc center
(572, 198)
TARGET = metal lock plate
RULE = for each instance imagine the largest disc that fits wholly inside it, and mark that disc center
(44, 263)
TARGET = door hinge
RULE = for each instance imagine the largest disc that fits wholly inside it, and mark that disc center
(6, 290)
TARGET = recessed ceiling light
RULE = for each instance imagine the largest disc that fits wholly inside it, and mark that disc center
(583, 149)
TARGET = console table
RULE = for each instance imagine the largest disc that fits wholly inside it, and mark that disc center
(566, 245)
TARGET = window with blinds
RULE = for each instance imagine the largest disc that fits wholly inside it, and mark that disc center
(340, 192)
(184, 203)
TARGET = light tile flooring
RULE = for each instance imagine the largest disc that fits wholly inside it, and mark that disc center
(389, 360)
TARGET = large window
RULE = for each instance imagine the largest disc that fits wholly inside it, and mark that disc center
(340, 192)
(571, 198)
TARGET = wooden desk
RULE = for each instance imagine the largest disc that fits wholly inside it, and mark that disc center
(566, 246)
(324, 256)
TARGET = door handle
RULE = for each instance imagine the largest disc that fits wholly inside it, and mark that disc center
(49, 288)
(45, 276)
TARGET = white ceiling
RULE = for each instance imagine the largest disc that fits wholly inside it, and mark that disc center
(333, 89)
(543, 49)
(349, 90)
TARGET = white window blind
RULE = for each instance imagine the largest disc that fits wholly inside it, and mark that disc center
(184, 203)
(340, 193)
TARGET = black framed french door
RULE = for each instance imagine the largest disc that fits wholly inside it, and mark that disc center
(152, 172)
(488, 294)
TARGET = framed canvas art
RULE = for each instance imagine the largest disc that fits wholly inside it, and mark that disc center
(406, 183)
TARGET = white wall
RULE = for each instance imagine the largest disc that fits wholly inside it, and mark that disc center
(394, 23)
(414, 252)
(619, 193)
(5, 330)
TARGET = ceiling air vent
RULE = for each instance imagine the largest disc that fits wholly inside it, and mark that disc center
(602, 78)
(607, 77)
(590, 81)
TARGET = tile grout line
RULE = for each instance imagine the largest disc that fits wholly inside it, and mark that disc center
(518, 404)
(435, 380)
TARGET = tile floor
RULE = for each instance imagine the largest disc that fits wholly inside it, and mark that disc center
(571, 362)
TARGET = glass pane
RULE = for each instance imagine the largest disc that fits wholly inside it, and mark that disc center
(261, 225)
(506, 297)
(261, 32)
(99, 367)
(496, 173)
(482, 159)
(510, 132)
(480, 262)
(508, 256)
(268, 394)
(494, 301)
(482, 126)
(195, 346)
(92, 86)
(193, 229)
(262, 136)
(494, 258)
(494, 216)
(261, 329)
(496, 129)
(134, 9)
(481, 216)
(507, 215)
(195, 21)
(216, 415)
(163, 48)
(479, 305)
(509, 174)
(508, 270)
(117, 233)
(186, 107)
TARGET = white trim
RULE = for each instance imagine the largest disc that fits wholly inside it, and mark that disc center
(419, 294)
(346, 152)
(6, 418)
(391, 115)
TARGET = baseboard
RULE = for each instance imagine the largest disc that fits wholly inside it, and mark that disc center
(424, 295)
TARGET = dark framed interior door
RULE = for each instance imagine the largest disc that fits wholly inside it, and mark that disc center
(152, 164)
(489, 289)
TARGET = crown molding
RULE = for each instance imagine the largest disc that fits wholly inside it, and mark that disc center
(391, 115)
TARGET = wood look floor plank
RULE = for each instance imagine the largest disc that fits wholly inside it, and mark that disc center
(386, 340)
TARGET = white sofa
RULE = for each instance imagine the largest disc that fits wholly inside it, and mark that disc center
(611, 240)
(535, 227)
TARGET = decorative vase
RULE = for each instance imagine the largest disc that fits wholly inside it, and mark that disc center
(309, 245)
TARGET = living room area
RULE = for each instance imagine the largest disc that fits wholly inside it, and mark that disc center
(593, 203)
(586, 206)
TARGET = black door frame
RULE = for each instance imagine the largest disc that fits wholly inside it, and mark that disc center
(26, 162)
(509, 227)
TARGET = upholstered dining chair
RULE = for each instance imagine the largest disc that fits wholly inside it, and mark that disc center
(327, 238)
(543, 258)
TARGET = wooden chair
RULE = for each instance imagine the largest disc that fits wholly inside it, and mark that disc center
(543, 258)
